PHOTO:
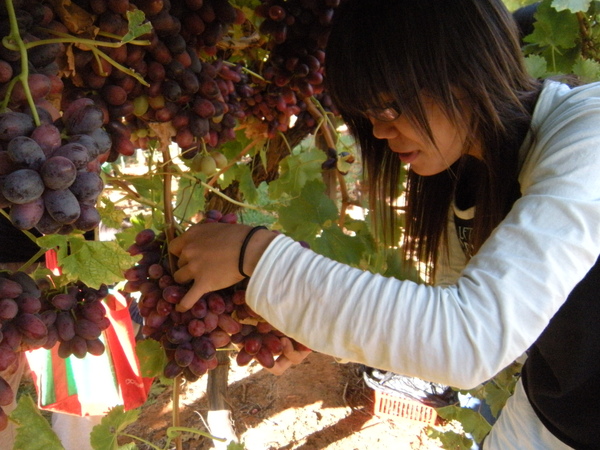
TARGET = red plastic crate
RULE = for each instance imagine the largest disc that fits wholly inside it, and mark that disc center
(394, 407)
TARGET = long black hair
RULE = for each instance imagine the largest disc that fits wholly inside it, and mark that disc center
(466, 55)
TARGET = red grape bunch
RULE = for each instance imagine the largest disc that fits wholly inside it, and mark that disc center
(189, 87)
(50, 182)
(72, 318)
(299, 30)
(218, 319)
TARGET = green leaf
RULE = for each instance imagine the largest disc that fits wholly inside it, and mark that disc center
(554, 29)
(587, 69)
(151, 356)
(92, 262)
(128, 446)
(34, 432)
(496, 396)
(472, 421)
(112, 216)
(451, 439)
(190, 199)
(536, 66)
(149, 187)
(338, 246)
(235, 446)
(246, 184)
(305, 216)
(104, 435)
(296, 171)
(137, 27)
(571, 5)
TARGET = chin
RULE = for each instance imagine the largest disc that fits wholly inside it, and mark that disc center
(427, 172)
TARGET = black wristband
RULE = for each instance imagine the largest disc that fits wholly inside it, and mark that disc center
(243, 249)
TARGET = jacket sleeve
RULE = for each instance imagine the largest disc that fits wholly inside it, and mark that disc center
(461, 334)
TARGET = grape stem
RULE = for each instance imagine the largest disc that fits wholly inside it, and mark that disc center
(325, 126)
(172, 430)
(175, 398)
(15, 37)
(168, 201)
(149, 444)
(93, 45)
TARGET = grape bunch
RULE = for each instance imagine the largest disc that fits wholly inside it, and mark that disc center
(257, 339)
(189, 86)
(218, 319)
(298, 30)
(50, 182)
(72, 318)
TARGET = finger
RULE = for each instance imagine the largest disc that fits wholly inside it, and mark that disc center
(191, 297)
(281, 365)
(177, 245)
(183, 274)
(287, 345)
(295, 356)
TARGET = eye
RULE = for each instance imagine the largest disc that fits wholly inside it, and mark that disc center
(388, 113)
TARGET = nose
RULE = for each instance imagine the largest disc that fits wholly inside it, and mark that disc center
(383, 130)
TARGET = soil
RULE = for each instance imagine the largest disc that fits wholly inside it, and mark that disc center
(318, 404)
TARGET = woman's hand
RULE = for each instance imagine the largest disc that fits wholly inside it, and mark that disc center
(288, 357)
(209, 254)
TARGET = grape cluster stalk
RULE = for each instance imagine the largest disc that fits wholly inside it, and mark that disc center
(218, 320)
(71, 318)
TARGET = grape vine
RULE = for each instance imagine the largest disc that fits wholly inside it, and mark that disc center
(225, 101)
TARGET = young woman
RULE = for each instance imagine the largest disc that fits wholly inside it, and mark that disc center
(503, 201)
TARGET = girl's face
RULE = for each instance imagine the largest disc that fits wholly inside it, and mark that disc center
(415, 148)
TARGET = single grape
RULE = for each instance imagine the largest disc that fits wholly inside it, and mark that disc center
(62, 206)
(75, 152)
(22, 186)
(58, 172)
(6, 393)
(27, 215)
(27, 152)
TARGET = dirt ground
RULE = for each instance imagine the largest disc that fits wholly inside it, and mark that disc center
(318, 404)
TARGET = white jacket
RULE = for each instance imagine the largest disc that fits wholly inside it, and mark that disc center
(464, 333)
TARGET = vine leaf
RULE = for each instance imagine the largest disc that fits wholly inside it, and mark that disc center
(472, 421)
(537, 66)
(104, 435)
(295, 171)
(34, 432)
(450, 439)
(190, 199)
(554, 29)
(556, 36)
(112, 216)
(306, 215)
(571, 5)
(92, 262)
(336, 245)
(587, 69)
(151, 356)
(137, 25)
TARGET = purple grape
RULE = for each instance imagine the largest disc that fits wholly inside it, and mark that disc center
(27, 215)
(58, 172)
(22, 186)
(27, 152)
(87, 186)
